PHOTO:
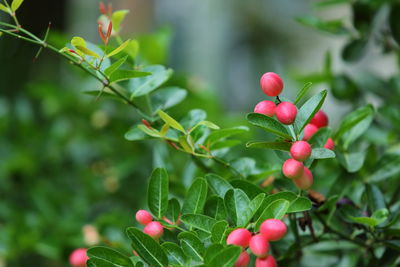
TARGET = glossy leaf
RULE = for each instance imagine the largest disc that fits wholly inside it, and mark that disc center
(322, 153)
(268, 124)
(215, 208)
(237, 204)
(195, 197)
(143, 86)
(108, 71)
(174, 209)
(225, 133)
(157, 195)
(211, 251)
(249, 188)
(199, 221)
(167, 97)
(302, 92)
(175, 254)
(191, 245)
(226, 258)
(320, 137)
(219, 232)
(119, 48)
(275, 210)
(171, 121)
(122, 75)
(111, 256)
(218, 184)
(308, 110)
(16, 4)
(4, 8)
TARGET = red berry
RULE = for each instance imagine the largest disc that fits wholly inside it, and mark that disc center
(273, 229)
(243, 260)
(259, 245)
(300, 150)
(268, 261)
(305, 181)
(320, 119)
(143, 217)
(239, 237)
(309, 131)
(292, 168)
(78, 257)
(329, 144)
(271, 84)
(265, 107)
(286, 112)
(154, 229)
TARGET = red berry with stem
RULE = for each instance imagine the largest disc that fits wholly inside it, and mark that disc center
(286, 112)
(143, 217)
(154, 229)
(273, 229)
(320, 119)
(268, 261)
(239, 237)
(292, 168)
(259, 245)
(78, 257)
(329, 144)
(243, 260)
(309, 131)
(305, 181)
(300, 150)
(265, 107)
(271, 84)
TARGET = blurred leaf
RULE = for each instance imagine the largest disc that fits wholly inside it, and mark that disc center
(218, 184)
(352, 161)
(147, 248)
(308, 110)
(199, 221)
(174, 210)
(375, 198)
(320, 137)
(122, 75)
(175, 253)
(302, 92)
(299, 204)
(119, 48)
(4, 8)
(157, 194)
(132, 48)
(354, 50)
(331, 26)
(191, 245)
(167, 97)
(193, 117)
(108, 71)
(219, 232)
(268, 124)
(276, 210)
(389, 168)
(145, 85)
(80, 44)
(325, 3)
(195, 197)
(16, 4)
(170, 121)
(226, 258)
(208, 124)
(378, 217)
(284, 146)
(151, 132)
(322, 153)
(117, 17)
(225, 133)
(394, 21)
(111, 256)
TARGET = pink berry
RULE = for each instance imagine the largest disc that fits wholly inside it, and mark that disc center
(243, 260)
(239, 237)
(271, 84)
(143, 217)
(300, 150)
(320, 119)
(154, 229)
(259, 245)
(78, 257)
(273, 229)
(292, 168)
(268, 261)
(265, 107)
(286, 112)
(309, 131)
(305, 181)
(329, 144)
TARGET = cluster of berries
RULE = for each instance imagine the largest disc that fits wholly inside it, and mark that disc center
(152, 228)
(286, 112)
(270, 230)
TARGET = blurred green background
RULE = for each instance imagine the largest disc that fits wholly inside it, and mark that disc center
(68, 178)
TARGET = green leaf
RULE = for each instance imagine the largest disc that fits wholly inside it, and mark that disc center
(135, 134)
(394, 21)
(174, 210)
(108, 71)
(111, 256)
(170, 121)
(147, 248)
(4, 8)
(117, 17)
(208, 124)
(122, 75)
(218, 184)
(322, 153)
(151, 132)
(175, 254)
(308, 110)
(80, 44)
(16, 4)
(237, 204)
(132, 49)
(284, 146)
(215, 208)
(191, 245)
(219, 232)
(96, 262)
(378, 217)
(275, 210)
(299, 204)
(389, 168)
(268, 124)
(226, 258)
(249, 188)
(167, 97)
(195, 197)
(225, 133)
(145, 85)
(320, 137)
(199, 221)
(375, 198)
(157, 194)
(331, 26)
(354, 50)
(352, 161)
(119, 48)
(302, 92)
(211, 251)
